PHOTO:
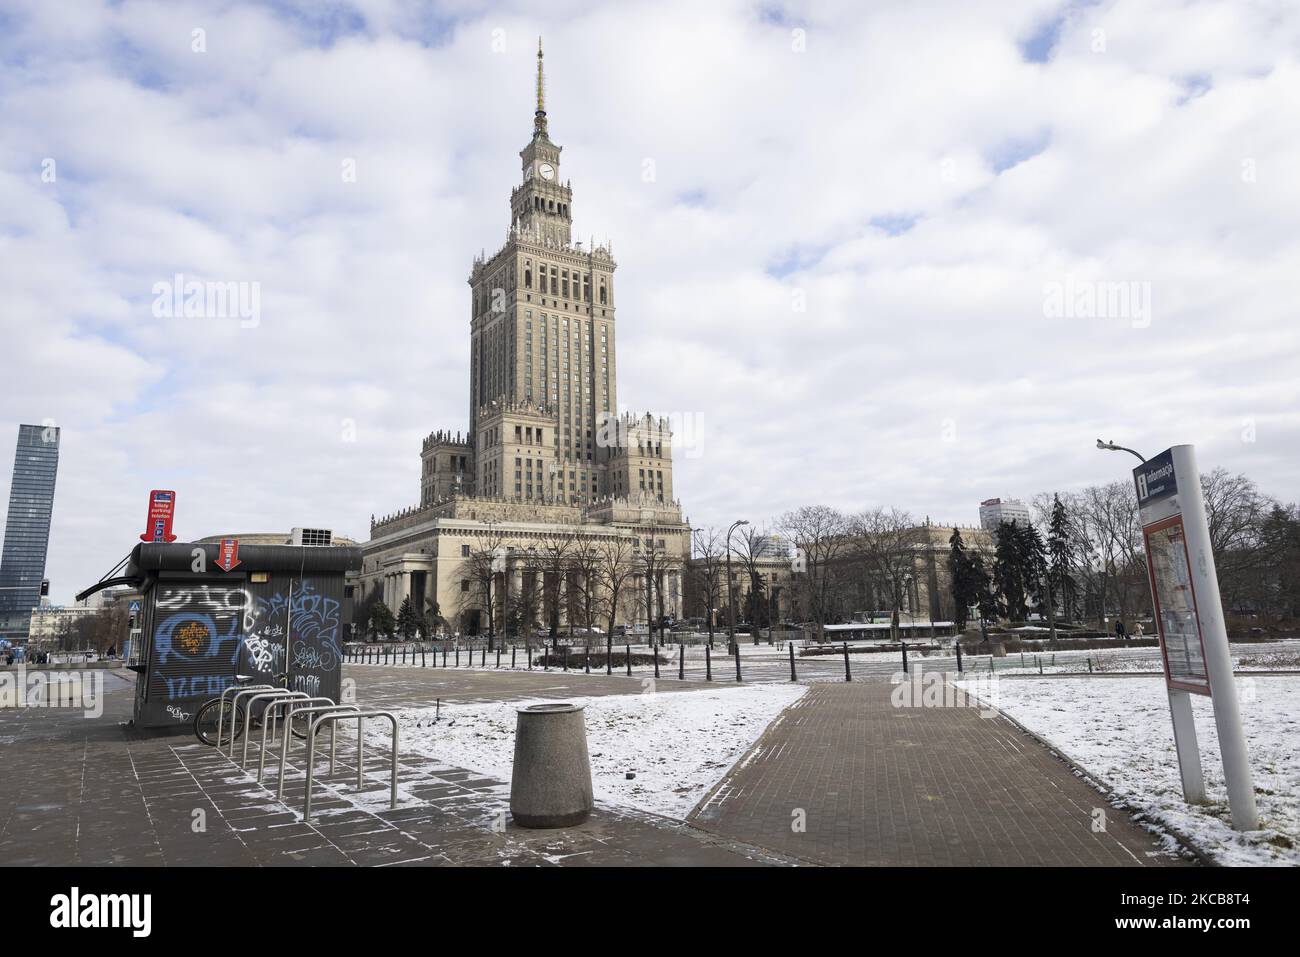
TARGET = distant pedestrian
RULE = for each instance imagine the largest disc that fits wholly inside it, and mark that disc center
(1119, 629)
(1139, 630)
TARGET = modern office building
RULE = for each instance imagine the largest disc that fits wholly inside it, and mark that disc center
(995, 511)
(27, 529)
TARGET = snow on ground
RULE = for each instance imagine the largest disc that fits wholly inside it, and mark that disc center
(678, 744)
(1119, 729)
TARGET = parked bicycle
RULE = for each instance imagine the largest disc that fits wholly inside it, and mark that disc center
(222, 712)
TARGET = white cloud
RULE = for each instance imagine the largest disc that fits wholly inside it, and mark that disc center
(863, 172)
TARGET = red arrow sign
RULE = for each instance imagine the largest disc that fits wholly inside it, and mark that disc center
(158, 522)
(228, 554)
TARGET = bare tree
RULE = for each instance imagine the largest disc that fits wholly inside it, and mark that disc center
(489, 540)
(652, 563)
(820, 533)
(614, 571)
(585, 564)
(751, 551)
(1103, 522)
(706, 570)
(888, 541)
(476, 569)
(1237, 513)
(553, 557)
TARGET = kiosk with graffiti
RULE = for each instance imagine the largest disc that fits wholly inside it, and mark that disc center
(281, 610)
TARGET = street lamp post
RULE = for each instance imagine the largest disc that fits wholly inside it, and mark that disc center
(1112, 447)
(731, 591)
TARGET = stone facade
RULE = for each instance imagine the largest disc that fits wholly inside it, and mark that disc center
(927, 594)
(546, 457)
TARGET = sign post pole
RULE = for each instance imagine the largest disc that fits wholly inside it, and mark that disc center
(1218, 658)
(1189, 752)
(1189, 620)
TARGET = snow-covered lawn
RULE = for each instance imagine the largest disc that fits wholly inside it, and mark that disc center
(1119, 729)
(677, 744)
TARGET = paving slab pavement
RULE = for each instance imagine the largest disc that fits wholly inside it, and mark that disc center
(874, 784)
(92, 792)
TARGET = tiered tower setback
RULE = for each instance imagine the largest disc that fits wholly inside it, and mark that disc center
(543, 377)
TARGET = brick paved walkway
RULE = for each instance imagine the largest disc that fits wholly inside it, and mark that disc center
(879, 785)
(915, 786)
(88, 791)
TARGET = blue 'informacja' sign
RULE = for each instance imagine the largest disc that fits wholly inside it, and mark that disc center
(1155, 478)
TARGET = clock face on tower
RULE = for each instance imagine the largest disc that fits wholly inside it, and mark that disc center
(547, 171)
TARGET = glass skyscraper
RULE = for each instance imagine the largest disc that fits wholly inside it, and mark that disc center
(27, 531)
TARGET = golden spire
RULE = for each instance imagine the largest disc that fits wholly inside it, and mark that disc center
(541, 88)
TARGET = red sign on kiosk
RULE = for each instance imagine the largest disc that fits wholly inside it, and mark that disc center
(228, 554)
(158, 523)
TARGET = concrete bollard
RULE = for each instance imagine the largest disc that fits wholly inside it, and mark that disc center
(550, 785)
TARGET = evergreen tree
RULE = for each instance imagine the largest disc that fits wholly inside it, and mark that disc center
(965, 582)
(363, 615)
(1033, 566)
(381, 620)
(408, 620)
(431, 620)
(1058, 561)
(1009, 571)
(982, 585)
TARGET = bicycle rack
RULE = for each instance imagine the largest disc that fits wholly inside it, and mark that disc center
(221, 708)
(262, 696)
(360, 716)
(311, 737)
(242, 692)
(269, 721)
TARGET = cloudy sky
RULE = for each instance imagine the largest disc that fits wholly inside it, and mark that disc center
(904, 253)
